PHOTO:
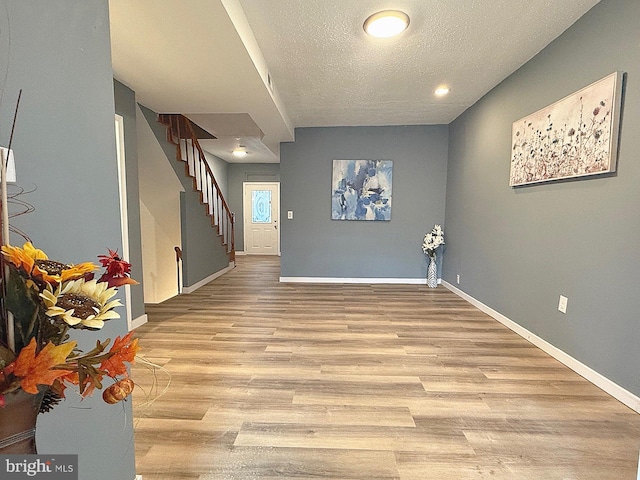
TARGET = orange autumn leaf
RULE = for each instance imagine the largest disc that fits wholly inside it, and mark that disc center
(123, 350)
(35, 370)
(89, 384)
(59, 385)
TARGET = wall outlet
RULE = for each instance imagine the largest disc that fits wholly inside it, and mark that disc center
(458, 279)
(562, 304)
(290, 214)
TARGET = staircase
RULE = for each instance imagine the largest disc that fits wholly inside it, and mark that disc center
(181, 133)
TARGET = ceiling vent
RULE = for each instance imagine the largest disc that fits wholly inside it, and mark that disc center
(269, 82)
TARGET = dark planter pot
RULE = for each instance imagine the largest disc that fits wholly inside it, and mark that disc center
(18, 422)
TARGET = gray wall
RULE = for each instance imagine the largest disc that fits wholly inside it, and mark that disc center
(202, 251)
(125, 102)
(313, 245)
(517, 250)
(238, 173)
(59, 54)
(219, 168)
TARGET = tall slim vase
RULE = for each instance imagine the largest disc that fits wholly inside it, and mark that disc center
(18, 422)
(432, 272)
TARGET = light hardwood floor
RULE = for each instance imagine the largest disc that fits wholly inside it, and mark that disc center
(317, 381)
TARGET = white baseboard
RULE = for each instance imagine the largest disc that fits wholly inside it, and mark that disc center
(376, 280)
(204, 281)
(629, 399)
(138, 322)
(138, 477)
(247, 254)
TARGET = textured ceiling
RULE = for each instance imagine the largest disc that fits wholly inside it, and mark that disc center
(329, 72)
(297, 63)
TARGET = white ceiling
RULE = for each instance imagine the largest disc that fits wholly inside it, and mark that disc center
(250, 71)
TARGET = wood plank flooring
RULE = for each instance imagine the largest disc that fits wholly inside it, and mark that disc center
(361, 382)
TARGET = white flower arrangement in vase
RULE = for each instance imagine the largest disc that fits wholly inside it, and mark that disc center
(433, 240)
(430, 244)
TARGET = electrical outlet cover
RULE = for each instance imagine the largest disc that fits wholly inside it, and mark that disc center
(11, 164)
(562, 304)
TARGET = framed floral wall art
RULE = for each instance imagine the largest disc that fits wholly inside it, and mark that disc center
(574, 137)
(361, 190)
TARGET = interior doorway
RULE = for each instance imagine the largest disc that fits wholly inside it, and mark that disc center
(261, 213)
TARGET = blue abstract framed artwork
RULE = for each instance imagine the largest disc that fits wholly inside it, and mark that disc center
(361, 190)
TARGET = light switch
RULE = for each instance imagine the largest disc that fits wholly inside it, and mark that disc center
(11, 165)
(562, 304)
(289, 214)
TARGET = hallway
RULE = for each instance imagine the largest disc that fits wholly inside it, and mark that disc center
(309, 381)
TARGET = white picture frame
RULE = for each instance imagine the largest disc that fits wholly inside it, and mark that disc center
(574, 137)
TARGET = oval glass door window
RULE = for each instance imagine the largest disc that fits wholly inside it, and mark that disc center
(261, 206)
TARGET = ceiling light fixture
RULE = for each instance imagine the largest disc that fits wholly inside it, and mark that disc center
(240, 152)
(442, 91)
(387, 23)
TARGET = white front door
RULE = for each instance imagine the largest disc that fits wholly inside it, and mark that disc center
(261, 207)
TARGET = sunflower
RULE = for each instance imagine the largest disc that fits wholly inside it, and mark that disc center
(81, 302)
(37, 265)
(23, 258)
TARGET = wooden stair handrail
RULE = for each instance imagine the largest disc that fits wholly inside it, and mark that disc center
(180, 132)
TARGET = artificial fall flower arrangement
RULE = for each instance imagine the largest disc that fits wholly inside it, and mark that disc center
(433, 240)
(43, 299)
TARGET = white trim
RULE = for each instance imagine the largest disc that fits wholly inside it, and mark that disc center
(240, 252)
(124, 211)
(599, 380)
(210, 278)
(399, 281)
(138, 322)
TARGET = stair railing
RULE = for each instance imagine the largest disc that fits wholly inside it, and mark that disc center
(180, 132)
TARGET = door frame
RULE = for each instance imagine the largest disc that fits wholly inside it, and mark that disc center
(246, 212)
(124, 218)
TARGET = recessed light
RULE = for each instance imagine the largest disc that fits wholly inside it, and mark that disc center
(442, 91)
(387, 23)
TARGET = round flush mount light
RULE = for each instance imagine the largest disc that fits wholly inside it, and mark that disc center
(239, 152)
(442, 91)
(387, 23)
